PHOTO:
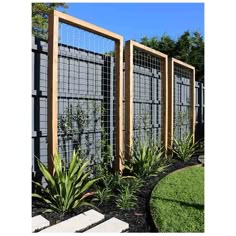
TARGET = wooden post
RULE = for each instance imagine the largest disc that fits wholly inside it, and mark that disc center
(170, 102)
(165, 103)
(52, 87)
(129, 90)
(119, 105)
(193, 102)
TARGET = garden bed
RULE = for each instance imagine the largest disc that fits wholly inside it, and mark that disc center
(139, 219)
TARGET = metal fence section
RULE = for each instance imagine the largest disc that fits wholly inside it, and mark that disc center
(39, 101)
(145, 95)
(85, 95)
(199, 110)
(181, 100)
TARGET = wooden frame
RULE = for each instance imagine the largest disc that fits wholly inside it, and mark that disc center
(54, 18)
(129, 48)
(171, 64)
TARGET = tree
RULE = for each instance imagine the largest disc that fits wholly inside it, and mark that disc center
(197, 55)
(188, 48)
(40, 17)
(165, 44)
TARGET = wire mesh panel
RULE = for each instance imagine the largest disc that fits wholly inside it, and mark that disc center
(86, 88)
(181, 100)
(85, 92)
(199, 110)
(145, 96)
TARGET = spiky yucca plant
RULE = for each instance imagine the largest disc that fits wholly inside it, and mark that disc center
(68, 188)
(147, 160)
(184, 147)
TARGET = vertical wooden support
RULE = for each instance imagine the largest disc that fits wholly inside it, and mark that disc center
(170, 102)
(193, 102)
(52, 87)
(129, 90)
(165, 103)
(119, 104)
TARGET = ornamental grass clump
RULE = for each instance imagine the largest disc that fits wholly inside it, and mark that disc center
(148, 159)
(184, 148)
(68, 188)
(126, 198)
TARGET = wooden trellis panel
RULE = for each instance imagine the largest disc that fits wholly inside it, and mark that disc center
(181, 90)
(153, 91)
(55, 18)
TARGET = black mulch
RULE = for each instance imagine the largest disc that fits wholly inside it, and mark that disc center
(139, 219)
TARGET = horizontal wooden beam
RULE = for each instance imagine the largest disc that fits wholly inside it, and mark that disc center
(174, 60)
(86, 26)
(147, 49)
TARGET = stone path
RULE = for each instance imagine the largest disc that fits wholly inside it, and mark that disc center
(91, 219)
(201, 159)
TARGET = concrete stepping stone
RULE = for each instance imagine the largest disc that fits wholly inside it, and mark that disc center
(112, 225)
(76, 223)
(201, 159)
(39, 222)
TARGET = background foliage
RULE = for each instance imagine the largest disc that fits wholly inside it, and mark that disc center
(189, 47)
(40, 18)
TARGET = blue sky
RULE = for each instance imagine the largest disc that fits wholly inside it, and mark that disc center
(135, 20)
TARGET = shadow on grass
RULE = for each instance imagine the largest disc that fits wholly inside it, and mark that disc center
(182, 203)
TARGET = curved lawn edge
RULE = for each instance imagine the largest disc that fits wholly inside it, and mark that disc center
(177, 201)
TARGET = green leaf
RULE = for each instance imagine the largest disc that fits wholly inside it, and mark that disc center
(65, 190)
(46, 174)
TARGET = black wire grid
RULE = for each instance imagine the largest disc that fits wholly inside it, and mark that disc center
(182, 101)
(86, 94)
(148, 93)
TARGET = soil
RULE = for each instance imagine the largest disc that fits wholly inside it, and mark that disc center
(139, 219)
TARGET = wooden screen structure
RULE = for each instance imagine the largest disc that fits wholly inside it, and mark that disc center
(181, 99)
(55, 18)
(145, 93)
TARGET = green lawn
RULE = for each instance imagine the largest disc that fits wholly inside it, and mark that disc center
(177, 201)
